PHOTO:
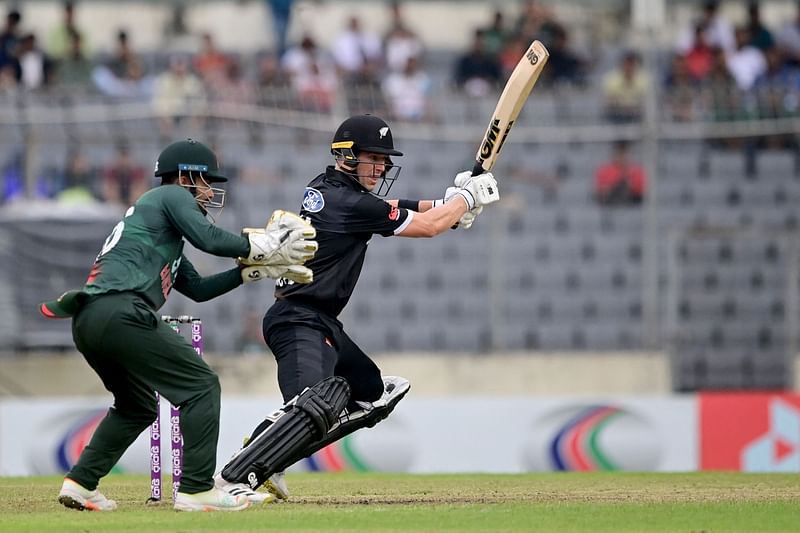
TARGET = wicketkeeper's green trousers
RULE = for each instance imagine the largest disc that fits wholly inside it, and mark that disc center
(135, 353)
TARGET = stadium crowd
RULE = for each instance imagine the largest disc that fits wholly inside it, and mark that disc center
(716, 71)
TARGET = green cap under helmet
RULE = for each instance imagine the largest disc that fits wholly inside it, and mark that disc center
(189, 156)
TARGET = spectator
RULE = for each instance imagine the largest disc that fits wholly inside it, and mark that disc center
(511, 53)
(401, 45)
(789, 38)
(175, 26)
(316, 90)
(357, 52)
(718, 31)
(123, 180)
(313, 76)
(564, 65)
(126, 64)
(9, 87)
(760, 36)
(281, 11)
(720, 89)
(77, 179)
(400, 42)
(536, 21)
(124, 74)
(74, 70)
(13, 176)
(60, 39)
(177, 93)
(210, 64)
(700, 57)
(746, 63)
(477, 71)
(681, 90)
(408, 92)
(9, 40)
(35, 68)
(624, 90)
(779, 87)
(777, 93)
(620, 181)
(233, 87)
(273, 84)
(495, 35)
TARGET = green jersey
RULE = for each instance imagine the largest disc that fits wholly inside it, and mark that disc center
(144, 252)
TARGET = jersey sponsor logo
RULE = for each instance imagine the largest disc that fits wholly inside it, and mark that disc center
(394, 214)
(313, 201)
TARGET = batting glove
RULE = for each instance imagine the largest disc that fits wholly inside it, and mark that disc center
(479, 190)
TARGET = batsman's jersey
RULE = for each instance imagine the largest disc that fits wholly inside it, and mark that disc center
(345, 216)
(144, 252)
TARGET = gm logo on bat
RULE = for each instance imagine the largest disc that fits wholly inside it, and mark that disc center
(532, 57)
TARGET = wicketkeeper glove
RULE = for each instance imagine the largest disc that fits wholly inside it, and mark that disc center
(296, 273)
(287, 240)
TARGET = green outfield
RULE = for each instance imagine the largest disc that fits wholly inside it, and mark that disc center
(569, 502)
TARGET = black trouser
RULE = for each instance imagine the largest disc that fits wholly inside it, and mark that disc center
(310, 346)
(135, 353)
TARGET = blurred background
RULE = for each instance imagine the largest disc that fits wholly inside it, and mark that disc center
(645, 246)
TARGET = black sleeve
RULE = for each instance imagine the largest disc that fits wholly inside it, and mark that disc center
(372, 215)
(184, 213)
(200, 289)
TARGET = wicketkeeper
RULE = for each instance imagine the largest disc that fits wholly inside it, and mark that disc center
(116, 327)
(330, 386)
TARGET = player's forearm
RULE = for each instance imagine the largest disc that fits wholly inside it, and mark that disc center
(202, 289)
(440, 219)
(209, 238)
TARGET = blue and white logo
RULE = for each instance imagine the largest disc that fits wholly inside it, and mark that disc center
(313, 201)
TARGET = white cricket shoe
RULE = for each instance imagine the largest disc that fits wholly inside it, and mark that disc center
(242, 489)
(276, 485)
(75, 496)
(214, 499)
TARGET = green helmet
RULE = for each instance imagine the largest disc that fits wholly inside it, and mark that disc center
(191, 156)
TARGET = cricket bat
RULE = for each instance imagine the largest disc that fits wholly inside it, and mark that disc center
(514, 95)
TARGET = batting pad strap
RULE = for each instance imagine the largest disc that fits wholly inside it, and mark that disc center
(350, 421)
(303, 420)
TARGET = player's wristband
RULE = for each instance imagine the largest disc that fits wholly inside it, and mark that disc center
(412, 205)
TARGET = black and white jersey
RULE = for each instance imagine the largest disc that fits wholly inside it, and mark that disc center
(345, 216)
